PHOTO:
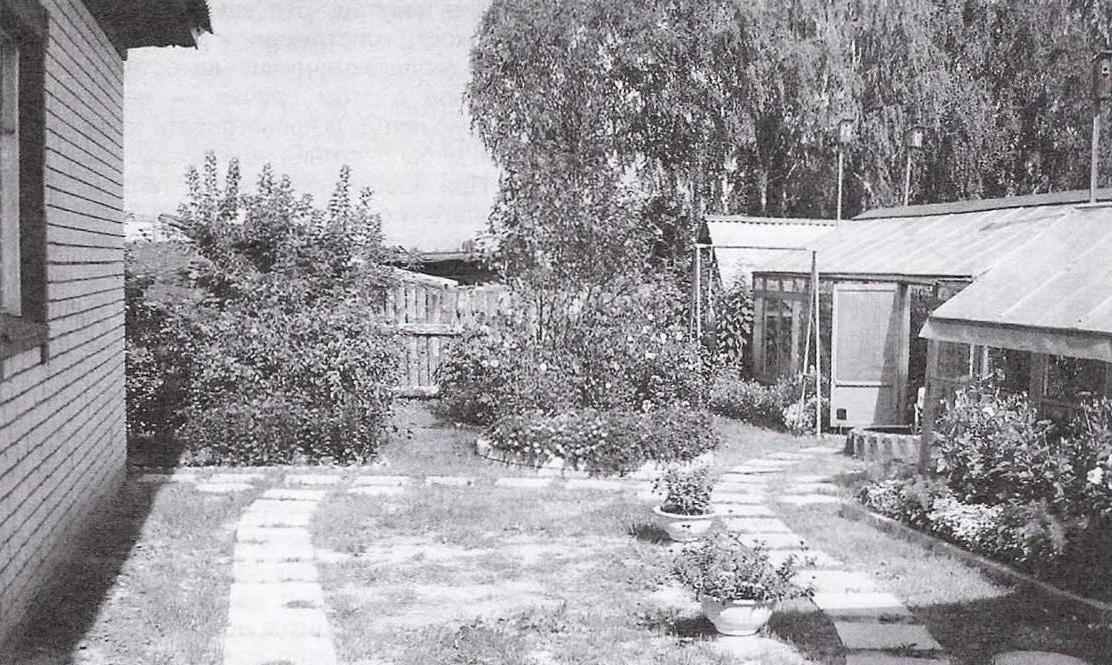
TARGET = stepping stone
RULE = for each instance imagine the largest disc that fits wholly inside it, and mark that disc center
(789, 456)
(166, 478)
(737, 497)
(223, 488)
(903, 636)
(382, 480)
(755, 649)
(281, 538)
(273, 518)
(1035, 658)
(742, 509)
(280, 494)
(377, 490)
(741, 488)
(812, 478)
(235, 477)
(278, 648)
(758, 525)
(865, 605)
(597, 484)
(824, 450)
(881, 658)
(811, 488)
(248, 620)
(315, 479)
(749, 470)
(262, 596)
(273, 553)
(808, 499)
(773, 463)
(524, 483)
(744, 479)
(773, 541)
(450, 481)
(819, 558)
(274, 572)
(838, 581)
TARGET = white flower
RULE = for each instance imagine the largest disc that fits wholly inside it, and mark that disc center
(1096, 476)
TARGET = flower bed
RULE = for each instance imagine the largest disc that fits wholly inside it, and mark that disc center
(558, 466)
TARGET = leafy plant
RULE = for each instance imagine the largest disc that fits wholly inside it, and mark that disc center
(686, 491)
(724, 568)
(608, 443)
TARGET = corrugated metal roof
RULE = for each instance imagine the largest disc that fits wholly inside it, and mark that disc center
(954, 240)
(1058, 282)
(752, 242)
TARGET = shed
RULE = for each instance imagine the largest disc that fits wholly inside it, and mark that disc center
(741, 243)
(63, 445)
(882, 273)
(1047, 305)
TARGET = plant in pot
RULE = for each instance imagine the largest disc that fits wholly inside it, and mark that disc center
(737, 583)
(686, 514)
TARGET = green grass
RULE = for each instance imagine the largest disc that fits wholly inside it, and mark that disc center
(147, 584)
(486, 575)
(972, 616)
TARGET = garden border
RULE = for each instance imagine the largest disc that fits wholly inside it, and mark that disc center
(558, 466)
(1093, 609)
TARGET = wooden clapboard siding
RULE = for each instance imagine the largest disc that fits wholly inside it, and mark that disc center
(62, 412)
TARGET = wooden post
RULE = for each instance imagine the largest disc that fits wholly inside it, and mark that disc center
(818, 342)
(929, 401)
(794, 362)
(904, 350)
(698, 294)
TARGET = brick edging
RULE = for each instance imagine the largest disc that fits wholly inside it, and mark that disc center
(1092, 609)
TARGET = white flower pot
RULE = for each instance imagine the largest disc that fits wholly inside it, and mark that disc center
(684, 528)
(737, 617)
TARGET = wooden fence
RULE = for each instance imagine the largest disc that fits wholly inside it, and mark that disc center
(430, 313)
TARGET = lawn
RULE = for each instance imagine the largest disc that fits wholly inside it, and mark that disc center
(147, 584)
(507, 576)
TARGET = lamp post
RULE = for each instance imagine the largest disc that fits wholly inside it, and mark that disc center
(1102, 91)
(845, 137)
(913, 141)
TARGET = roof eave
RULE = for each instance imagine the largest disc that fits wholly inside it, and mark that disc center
(142, 23)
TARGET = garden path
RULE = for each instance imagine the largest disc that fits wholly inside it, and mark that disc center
(276, 607)
(875, 627)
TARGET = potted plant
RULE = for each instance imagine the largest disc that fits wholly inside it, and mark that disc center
(686, 514)
(736, 583)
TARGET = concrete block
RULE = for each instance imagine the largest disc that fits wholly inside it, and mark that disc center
(399, 481)
(313, 479)
(281, 494)
(903, 636)
(761, 525)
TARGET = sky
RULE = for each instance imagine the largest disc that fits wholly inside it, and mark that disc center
(311, 86)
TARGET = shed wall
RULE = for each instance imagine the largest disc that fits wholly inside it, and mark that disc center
(62, 422)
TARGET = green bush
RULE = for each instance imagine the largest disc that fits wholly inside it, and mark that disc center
(686, 492)
(778, 406)
(606, 442)
(725, 567)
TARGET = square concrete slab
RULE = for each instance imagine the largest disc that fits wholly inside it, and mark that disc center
(281, 494)
(806, 559)
(876, 605)
(742, 509)
(251, 552)
(382, 480)
(773, 541)
(789, 456)
(904, 636)
(838, 581)
(808, 499)
(274, 572)
(235, 477)
(263, 596)
(223, 488)
(378, 490)
(760, 525)
(313, 479)
(741, 488)
(744, 479)
(278, 648)
(450, 481)
(524, 483)
(881, 658)
(811, 488)
(749, 469)
(280, 537)
(722, 496)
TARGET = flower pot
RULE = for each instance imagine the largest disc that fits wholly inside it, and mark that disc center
(737, 617)
(684, 528)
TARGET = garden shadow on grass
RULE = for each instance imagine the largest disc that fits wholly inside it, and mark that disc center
(673, 624)
(64, 610)
(648, 532)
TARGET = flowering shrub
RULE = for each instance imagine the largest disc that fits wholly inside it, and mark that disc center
(686, 492)
(777, 406)
(724, 568)
(602, 442)
(994, 447)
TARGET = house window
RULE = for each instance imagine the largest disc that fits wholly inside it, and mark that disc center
(23, 27)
